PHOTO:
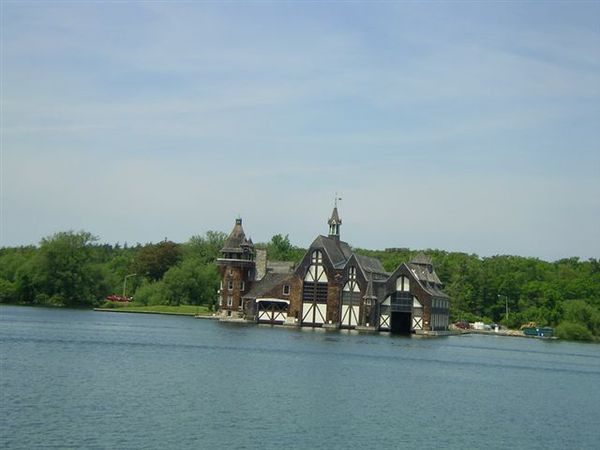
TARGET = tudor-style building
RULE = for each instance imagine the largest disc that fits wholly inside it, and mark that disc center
(331, 287)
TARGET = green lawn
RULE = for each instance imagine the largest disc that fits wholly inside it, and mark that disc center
(188, 310)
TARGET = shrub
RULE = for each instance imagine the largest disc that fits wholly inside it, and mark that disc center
(573, 331)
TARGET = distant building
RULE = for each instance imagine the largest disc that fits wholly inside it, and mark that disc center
(331, 287)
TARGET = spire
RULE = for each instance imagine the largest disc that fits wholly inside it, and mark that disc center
(369, 292)
(334, 221)
(236, 243)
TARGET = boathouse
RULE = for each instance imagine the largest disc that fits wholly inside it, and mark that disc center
(331, 287)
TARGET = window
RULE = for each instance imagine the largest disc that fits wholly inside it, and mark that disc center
(351, 291)
(230, 285)
(317, 257)
(229, 301)
(401, 302)
(286, 289)
(242, 285)
(316, 271)
(315, 282)
(402, 284)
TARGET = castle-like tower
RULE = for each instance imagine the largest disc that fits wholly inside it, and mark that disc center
(237, 270)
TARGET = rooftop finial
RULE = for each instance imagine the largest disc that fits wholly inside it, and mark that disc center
(336, 200)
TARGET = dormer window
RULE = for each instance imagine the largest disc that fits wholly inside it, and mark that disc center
(317, 257)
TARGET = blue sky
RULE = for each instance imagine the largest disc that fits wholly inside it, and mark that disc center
(464, 126)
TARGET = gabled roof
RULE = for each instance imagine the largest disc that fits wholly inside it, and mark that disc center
(339, 252)
(428, 280)
(424, 273)
(267, 283)
(370, 265)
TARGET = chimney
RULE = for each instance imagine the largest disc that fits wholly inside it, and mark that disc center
(261, 264)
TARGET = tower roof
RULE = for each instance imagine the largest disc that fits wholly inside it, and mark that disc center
(335, 217)
(236, 239)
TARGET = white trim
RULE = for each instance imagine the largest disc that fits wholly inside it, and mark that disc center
(278, 300)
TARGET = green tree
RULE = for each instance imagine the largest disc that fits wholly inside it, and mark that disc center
(281, 249)
(191, 282)
(62, 271)
(206, 248)
(8, 291)
(153, 260)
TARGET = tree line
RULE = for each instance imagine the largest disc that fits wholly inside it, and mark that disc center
(73, 269)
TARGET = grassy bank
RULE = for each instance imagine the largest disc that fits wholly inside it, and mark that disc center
(184, 310)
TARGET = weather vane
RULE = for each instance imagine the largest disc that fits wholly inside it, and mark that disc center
(336, 199)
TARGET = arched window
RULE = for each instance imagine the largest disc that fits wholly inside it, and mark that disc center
(402, 300)
(402, 284)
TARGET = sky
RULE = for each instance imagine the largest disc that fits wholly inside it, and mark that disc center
(461, 126)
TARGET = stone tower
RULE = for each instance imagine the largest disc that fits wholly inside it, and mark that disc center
(237, 270)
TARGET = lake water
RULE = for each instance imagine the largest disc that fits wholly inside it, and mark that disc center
(84, 379)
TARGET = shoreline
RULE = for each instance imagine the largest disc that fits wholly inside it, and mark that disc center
(212, 316)
(164, 313)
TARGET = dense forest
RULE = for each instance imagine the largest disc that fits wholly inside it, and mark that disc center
(73, 269)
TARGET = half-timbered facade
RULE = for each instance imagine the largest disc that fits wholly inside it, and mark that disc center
(332, 287)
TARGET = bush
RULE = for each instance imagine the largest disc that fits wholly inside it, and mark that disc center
(57, 300)
(151, 293)
(8, 291)
(573, 331)
(41, 299)
(581, 312)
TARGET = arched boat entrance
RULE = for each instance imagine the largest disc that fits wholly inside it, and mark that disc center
(401, 307)
(401, 322)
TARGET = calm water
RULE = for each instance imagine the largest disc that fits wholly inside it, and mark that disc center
(83, 379)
